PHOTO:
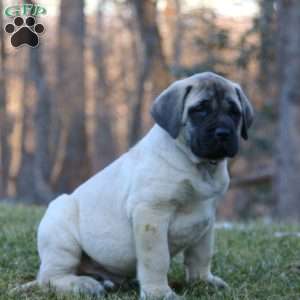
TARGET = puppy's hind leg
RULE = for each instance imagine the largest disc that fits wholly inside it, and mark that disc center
(60, 252)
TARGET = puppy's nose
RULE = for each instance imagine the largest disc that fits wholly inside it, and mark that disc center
(222, 134)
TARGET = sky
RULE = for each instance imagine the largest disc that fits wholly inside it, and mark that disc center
(233, 8)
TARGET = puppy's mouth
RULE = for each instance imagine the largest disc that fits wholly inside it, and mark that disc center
(214, 151)
(226, 149)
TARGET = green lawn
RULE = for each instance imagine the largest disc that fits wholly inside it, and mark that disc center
(256, 264)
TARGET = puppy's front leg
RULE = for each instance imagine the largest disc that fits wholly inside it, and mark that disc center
(153, 258)
(197, 260)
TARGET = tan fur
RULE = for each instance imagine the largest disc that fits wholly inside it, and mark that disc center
(153, 202)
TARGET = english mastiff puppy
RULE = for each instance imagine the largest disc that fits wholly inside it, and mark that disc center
(155, 201)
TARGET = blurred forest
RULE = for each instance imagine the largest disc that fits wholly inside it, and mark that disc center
(72, 105)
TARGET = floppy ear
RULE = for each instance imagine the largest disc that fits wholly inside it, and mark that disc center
(168, 107)
(247, 111)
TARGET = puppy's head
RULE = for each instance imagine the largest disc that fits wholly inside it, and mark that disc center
(211, 112)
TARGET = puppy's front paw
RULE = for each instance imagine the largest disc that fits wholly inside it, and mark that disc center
(88, 285)
(216, 281)
(158, 294)
(173, 296)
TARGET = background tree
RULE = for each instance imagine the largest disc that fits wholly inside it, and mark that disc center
(71, 94)
(104, 148)
(35, 169)
(42, 120)
(288, 158)
(4, 119)
(267, 34)
(152, 65)
(24, 179)
(34, 173)
(178, 35)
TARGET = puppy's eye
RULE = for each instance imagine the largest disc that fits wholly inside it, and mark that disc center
(200, 111)
(205, 102)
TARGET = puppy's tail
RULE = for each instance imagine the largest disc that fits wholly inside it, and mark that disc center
(24, 287)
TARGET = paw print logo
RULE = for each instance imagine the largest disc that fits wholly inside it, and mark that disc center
(24, 33)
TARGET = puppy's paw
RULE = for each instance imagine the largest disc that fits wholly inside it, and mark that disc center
(173, 296)
(216, 281)
(158, 294)
(88, 285)
(108, 285)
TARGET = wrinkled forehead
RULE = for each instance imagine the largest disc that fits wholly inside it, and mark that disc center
(220, 92)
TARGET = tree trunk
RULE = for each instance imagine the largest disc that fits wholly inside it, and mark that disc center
(4, 120)
(267, 43)
(42, 121)
(153, 63)
(33, 182)
(24, 181)
(178, 37)
(288, 159)
(103, 144)
(71, 88)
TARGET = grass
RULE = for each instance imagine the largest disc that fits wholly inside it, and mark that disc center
(255, 263)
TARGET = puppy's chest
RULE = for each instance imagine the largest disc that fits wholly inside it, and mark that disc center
(196, 201)
(200, 187)
(189, 222)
